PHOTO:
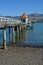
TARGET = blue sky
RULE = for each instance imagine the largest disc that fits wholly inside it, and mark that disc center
(18, 7)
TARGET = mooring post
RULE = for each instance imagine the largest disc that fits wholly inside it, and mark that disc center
(12, 34)
(4, 38)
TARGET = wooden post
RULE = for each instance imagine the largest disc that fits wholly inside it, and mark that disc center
(4, 38)
(9, 34)
(12, 34)
(30, 24)
(15, 29)
(9, 30)
(18, 31)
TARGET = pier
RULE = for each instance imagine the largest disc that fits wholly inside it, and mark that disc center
(17, 25)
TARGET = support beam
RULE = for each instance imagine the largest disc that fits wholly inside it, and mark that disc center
(12, 34)
(4, 38)
(18, 32)
(30, 24)
(9, 30)
(20, 28)
(17, 29)
(9, 34)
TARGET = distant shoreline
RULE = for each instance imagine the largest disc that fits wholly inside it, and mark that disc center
(37, 21)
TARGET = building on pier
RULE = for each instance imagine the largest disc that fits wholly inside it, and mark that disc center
(24, 18)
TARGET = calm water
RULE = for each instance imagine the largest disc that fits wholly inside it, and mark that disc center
(31, 37)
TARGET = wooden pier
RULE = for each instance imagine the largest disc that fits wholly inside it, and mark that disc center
(17, 26)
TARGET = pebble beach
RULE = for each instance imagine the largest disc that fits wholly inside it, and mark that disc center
(21, 56)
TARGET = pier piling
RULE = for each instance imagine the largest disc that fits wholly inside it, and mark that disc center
(20, 29)
(12, 34)
(9, 34)
(18, 32)
(4, 38)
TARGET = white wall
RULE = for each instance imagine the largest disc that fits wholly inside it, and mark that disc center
(26, 20)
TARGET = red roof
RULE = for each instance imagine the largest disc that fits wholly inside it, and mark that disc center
(24, 16)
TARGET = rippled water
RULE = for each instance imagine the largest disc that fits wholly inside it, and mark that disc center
(31, 37)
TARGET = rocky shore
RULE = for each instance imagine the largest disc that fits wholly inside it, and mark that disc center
(21, 56)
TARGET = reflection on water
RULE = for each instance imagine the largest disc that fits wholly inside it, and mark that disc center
(31, 37)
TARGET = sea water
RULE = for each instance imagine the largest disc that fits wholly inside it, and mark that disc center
(28, 37)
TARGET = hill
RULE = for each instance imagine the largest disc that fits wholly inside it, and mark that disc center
(34, 17)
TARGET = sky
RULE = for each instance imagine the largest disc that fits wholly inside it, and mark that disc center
(18, 7)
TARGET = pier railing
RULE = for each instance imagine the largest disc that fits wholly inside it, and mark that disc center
(9, 23)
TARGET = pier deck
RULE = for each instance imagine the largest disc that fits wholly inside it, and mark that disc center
(8, 24)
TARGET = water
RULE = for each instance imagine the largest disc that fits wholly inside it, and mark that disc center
(29, 37)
